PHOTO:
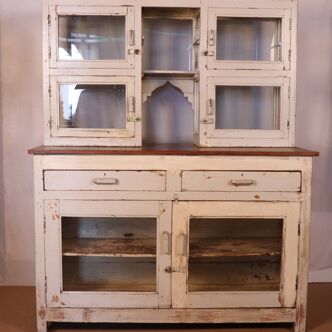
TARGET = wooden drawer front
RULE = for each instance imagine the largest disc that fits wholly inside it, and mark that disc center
(240, 181)
(105, 180)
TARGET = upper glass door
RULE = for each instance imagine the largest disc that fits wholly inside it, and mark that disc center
(89, 107)
(92, 37)
(110, 254)
(248, 39)
(241, 254)
(247, 111)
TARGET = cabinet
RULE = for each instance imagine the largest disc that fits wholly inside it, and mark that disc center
(169, 189)
(209, 73)
(172, 235)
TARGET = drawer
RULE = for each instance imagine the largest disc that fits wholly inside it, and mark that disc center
(240, 181)
(105, 180)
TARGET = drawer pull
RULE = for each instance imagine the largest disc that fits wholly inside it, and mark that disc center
(105, 181)
(242, 183)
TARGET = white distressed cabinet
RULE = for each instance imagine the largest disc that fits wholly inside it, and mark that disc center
(169, 189)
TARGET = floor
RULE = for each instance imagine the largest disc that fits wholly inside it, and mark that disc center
(17, 314)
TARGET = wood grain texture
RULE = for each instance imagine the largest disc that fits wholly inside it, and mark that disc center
(216, 247)
(172, 149)
(109, 247)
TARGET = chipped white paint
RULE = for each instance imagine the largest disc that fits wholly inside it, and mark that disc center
(176, 172)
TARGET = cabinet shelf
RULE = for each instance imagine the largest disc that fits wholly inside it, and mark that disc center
(244, 247)
(169, 73)
(143, 247)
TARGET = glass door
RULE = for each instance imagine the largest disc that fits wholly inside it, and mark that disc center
(93, 107)
(235, 254)
(249, 38)
(111, 254)
(92, 37)
(248, 111)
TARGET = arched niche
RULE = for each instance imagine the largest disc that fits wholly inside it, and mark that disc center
(168, 115)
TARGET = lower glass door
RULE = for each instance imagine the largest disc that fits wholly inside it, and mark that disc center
(240, 254)
(107, 253)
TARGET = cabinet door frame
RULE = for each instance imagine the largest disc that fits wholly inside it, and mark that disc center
(90, 133)
(127, 11)
(244, 137)
(270, 13)
(56, 297)
(286, 297)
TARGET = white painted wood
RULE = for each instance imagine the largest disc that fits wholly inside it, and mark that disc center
(57, 297)
(241, 181)
(303, 262)
(248, 137)
(267, 12)
(289, 212)
(41, 285)
(256, 315)
(64, 133)
(105, 180)
(66, 10)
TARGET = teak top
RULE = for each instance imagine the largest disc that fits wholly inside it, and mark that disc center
(172, 150)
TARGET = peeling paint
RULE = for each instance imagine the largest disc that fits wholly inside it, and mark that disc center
(42, 313)
(55, 299)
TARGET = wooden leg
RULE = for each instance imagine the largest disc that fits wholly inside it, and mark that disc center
(300, 324)
(41, 325)
(41, 322)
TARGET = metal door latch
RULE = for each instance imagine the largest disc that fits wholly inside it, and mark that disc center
(170, 269)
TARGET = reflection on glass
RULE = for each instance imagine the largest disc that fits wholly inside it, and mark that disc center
(235, 254)
(92, 38)
(109, 254)
(248, 39)
(168, 44)
(248, 107)
(93, 106)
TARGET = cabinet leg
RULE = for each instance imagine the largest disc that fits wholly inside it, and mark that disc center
(41, 326)
(300, 324)
(41, 322)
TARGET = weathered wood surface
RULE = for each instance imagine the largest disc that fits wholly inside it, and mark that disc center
(217, 247)
(172, 149)
(109, 247)
(241, 181)
(105, 180)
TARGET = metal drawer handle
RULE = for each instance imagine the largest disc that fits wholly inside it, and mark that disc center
(242, 182)
(105, 181)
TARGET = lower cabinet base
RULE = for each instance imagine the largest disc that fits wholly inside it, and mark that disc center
(169, 315)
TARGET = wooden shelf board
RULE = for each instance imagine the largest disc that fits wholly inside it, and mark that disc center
(172, 150)
(109, 247)
(259, 287)
(176, 73)
(99, 287)
(252, 247)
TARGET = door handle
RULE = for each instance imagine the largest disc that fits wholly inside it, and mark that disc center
(182, 244)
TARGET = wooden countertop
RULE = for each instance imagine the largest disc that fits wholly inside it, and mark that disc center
(172, 150)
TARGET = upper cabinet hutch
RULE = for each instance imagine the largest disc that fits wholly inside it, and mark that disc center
(169, 188)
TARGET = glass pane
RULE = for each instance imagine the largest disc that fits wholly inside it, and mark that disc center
(248, 39)
(93, 106)
(235, 254)
(109, 254)
(168, 44)
(92, 38)
(247, 107)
